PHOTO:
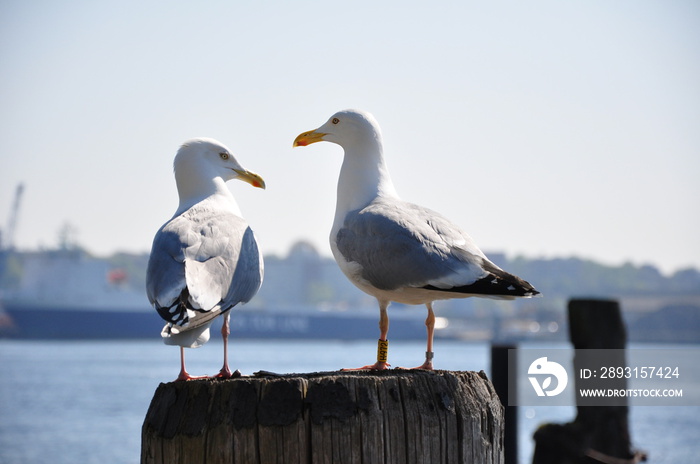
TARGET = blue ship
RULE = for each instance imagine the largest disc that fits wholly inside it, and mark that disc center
(68, 294)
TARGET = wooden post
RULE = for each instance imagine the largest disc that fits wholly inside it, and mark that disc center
(599, 433)
(395, 416)
(501, 383)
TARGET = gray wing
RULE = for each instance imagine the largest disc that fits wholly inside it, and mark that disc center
(202, 261)
(399, 244)
(248, 276)
(165, 275)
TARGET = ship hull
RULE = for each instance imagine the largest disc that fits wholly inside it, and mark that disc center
(38, 322)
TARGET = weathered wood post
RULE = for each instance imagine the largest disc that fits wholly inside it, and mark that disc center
(395, 416)
(501, 383)
(599, 433)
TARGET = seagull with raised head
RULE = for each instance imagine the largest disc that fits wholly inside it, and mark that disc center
(395, 250)
(205, 260)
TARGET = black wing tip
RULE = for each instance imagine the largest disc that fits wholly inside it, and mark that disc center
(174, 314)
(493, 285)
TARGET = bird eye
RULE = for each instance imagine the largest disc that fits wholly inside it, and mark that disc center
(224, 156)
(335, 121)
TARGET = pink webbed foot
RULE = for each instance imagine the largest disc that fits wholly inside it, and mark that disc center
(225, 373)
(378, 366)
(427, 366)
(184, 375)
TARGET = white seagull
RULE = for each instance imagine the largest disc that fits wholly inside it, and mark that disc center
(395, 250)
(205, 260)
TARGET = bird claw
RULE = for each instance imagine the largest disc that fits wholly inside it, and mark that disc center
(378, 366)
(426, 366)
(225, 373)
(185, 376)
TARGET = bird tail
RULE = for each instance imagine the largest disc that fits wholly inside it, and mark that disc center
(191, 331)
(192, 338)
(182, 316)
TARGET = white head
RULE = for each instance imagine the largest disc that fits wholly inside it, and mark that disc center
(203, 157)
(363, 175)
(345, 128)
(202, 167)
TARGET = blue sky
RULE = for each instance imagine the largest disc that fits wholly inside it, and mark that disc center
(542, 128)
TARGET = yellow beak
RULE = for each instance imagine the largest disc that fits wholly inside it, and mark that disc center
(307, 138)
(252, 178)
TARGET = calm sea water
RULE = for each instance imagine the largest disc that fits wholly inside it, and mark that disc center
(84, 402)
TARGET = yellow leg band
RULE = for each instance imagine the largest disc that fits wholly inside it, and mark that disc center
(382, 350)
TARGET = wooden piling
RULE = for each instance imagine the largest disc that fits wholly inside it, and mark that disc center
(599, 433)
(394, 416)
(501, 383)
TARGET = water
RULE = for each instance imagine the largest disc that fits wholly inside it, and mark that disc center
(68, 402)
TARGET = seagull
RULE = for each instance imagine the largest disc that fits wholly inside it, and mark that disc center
(205, 260)
(394, 250)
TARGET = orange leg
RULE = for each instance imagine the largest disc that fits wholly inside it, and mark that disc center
(383, 333)
(225, 372)
(430, 326)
